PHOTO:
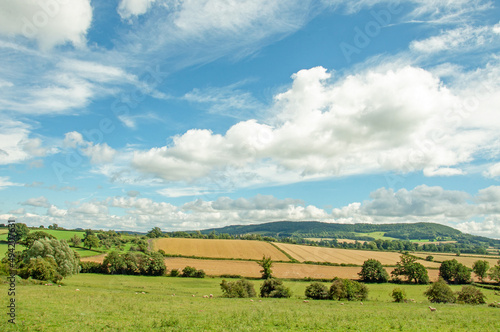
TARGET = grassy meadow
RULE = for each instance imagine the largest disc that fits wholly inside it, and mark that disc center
(112, 303)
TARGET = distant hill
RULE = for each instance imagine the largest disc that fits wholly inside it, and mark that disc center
(304, 229)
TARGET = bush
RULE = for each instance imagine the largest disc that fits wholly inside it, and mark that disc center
(274, 288)
(398, 294)
(373, 271)
(470, 295)
(191, 272)
(241, 288)
(91, 267)
(348, 289)
(174, 272)
(41, 269)
(317, 291)
(281, 292)
(429, 258)
(440, 292)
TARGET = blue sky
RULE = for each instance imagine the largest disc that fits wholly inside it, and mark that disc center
(186, 115)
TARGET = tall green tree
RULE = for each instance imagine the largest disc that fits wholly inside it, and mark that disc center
(266, 263)
(37, 235)
(373, 271)
(65, 258)
(413, 271)
(155, 233)
(454, 272)
(91, 241)
(481, 268)
(495, 272)
(21, 231)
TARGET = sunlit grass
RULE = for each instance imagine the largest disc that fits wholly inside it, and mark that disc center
(112, 303)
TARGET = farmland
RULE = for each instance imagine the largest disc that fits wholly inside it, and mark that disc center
(467, 260)
(342, 256)
(112, 303)
(219, 248)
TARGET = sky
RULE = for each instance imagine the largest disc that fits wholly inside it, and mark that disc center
(193, 114)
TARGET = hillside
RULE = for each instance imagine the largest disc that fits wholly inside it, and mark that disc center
(305, 229)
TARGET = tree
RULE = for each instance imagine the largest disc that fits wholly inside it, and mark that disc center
(480, 269)
(317, 291)
(412, 270)
(91, 241)
(37, 235)
(65, 258)
(470, 295)
(373, 271)
(348, 289)
(21, 231)
(440, 292)
(495, 272)
(266, 263)
(155, 233)
(241, 288)
(453, 271)
(76, 240)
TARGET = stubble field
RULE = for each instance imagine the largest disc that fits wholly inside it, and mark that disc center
(239, 249)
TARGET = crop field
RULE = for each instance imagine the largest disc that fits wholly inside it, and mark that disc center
(134, 303)
(346, 256)
(240, 249)
(466, 260)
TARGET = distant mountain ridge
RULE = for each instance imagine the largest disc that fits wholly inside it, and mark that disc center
(302, 229)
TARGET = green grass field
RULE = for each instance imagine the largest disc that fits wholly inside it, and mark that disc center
(113, 303)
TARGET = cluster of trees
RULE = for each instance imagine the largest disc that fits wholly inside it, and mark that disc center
(451, 271)
(373, 271)
(341, 289)
(44, 257)
(440, 292)
(134, 263)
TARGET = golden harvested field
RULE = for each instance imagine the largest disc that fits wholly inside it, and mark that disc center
(280, 270)
(346, 256)
(240, 249)
(465, 260)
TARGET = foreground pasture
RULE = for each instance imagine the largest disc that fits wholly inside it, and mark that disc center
(113, 303)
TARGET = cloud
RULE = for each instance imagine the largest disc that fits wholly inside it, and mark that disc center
(493, 171)
(403, 119)
(422, 201)
(437, 12)
(50, 23)
(5, 182)
(227, 101)
(100, 153)
(16, 145)
(462, 39)
(128, 8)
(476, 214)
(37, 202)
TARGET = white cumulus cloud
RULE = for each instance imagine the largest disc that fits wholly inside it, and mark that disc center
(49, 22)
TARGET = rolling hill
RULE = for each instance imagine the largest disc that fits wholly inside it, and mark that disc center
(305, 229)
